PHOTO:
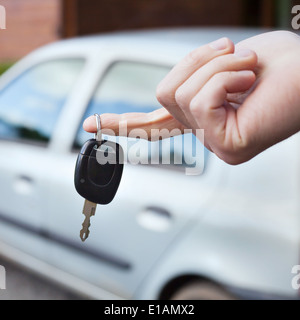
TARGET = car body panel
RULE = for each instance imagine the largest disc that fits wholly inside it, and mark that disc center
(260, 226)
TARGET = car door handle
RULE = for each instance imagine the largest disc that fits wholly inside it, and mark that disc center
(155, 219)
(23, 185)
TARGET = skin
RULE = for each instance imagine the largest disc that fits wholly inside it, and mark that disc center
(246, 97)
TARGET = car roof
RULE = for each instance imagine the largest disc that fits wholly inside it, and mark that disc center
(163, 40)
(169, 35)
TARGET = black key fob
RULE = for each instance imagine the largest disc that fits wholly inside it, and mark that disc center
(99, 170)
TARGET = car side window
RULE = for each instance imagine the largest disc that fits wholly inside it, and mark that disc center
(131, 87)
(126, 87)
(30, 105)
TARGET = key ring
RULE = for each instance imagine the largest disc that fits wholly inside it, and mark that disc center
(98, 135)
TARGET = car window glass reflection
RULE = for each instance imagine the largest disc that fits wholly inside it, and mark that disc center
(30, 105)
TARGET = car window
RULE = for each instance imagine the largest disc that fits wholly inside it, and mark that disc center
(31, 104)
(131, 87)
(126, 87)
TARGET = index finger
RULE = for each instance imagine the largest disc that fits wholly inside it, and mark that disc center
(158, 120)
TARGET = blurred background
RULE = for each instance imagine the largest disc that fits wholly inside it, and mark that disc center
(33, 23)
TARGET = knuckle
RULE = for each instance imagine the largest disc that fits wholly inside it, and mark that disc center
(195, 107)
(222, 63)
(221, 78)
(163, 94)
(193, 57)
(180, 97)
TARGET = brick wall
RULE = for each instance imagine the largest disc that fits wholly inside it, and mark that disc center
(29, 24)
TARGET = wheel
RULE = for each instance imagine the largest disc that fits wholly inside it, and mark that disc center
(201, 290)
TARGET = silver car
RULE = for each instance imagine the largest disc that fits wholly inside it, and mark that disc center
(229, 232)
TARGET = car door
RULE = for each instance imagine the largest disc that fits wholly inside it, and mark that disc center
(153, 204)
(30, 106)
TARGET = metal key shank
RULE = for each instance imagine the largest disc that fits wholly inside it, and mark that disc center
(89, 210)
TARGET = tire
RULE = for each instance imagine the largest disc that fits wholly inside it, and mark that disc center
(201, 290)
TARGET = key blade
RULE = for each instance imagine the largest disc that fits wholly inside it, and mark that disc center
(84, 234)
(89, 210)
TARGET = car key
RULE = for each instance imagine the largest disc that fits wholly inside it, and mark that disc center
(95, 180)
(98, 174)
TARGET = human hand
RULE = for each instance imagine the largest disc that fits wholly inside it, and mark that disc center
(246, 97)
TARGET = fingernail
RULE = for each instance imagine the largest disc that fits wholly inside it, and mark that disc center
(220, 44)
(243, 53)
